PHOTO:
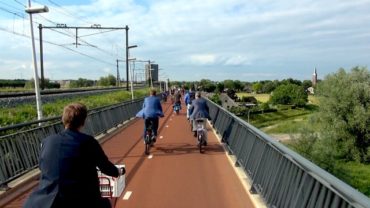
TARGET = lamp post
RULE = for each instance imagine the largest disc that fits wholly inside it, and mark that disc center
(33, 10)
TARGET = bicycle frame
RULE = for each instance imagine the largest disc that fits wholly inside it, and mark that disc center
(148, 139)
(200, 124)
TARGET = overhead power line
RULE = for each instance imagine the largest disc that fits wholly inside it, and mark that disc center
(11, 6)
(20, 3)
(67, 13)
(55, 44)
(12, 12)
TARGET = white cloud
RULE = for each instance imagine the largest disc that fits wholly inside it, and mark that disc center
(203, 59)
(201, 36)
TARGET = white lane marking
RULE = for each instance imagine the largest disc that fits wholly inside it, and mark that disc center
(167, 126)
(150, 156)
(161, 137)
(127, 195)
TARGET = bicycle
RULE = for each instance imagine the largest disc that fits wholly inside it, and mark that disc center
(201, 134)
(176, 108)
(149, 138)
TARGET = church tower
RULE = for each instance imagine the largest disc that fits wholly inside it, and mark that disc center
(314, 78)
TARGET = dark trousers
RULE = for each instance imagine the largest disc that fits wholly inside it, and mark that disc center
(154, 122)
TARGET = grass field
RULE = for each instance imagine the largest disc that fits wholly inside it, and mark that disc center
(260, 97)
(263, 98)
(355, 174)
(24, 113)
(288, 121)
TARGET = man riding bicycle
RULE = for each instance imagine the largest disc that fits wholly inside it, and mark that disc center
(189, 97)
(200, 110)
(151, 112)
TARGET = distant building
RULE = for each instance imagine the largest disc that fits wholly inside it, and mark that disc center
(153, 72)
(314, 78)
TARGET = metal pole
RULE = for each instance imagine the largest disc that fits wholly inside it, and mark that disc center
(36, 76)
(150, 74)
(127, 57)
(76, 37)
(41, 58)
(118, 79)
(131, 79)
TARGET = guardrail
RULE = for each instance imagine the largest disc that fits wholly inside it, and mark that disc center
(19, 152)
(281, 176)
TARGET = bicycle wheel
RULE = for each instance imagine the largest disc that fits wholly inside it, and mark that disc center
(200, 140)
(147, 144)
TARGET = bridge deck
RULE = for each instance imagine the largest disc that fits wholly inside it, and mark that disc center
(175, 174)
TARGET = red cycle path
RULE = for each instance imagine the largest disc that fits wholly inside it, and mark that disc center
(175, 174)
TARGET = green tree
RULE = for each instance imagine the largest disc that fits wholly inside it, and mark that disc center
(229, 84)
(110, 80)
(269, 86)
(81, 82)
(345, 114)
(220, 87)
(306, 84)
(207, 85)
(289, 94)
(257, 87)
(291, 81)
(238, 85)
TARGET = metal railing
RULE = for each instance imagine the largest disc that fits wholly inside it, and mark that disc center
(19, 152)
(281, 176)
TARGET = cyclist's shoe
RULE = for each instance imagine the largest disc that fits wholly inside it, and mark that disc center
(154, 138)
(205, 143)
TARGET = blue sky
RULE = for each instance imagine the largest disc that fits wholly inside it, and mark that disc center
(191, 40)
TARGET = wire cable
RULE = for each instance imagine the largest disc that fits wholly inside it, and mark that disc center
(67, 13)
(20, 3)
(55, 44)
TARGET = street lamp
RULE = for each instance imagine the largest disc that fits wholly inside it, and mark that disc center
(33, 10)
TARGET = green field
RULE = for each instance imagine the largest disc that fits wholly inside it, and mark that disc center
(24, 113)
(263, 98)
(288, 121)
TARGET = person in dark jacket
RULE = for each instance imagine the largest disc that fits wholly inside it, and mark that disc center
(199, 109)
(152, 110)
(68, 163)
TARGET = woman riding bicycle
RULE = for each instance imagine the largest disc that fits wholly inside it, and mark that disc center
(151, 112)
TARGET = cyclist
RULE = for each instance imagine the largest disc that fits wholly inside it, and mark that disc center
(68, 162)
(190, 96)
(200, 110)
(151, 112)
(177, 98)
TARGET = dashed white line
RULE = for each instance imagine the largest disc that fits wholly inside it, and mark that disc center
(127, 195)
(161, 137)
(167, 126)
(150, 156)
